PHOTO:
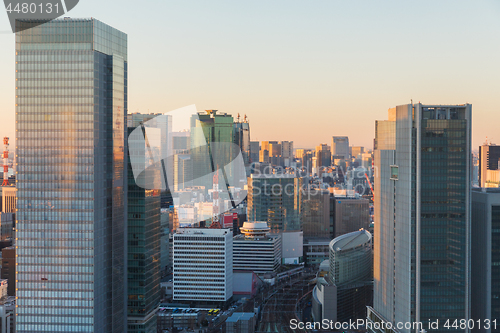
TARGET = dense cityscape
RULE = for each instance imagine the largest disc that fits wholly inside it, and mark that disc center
(181, 221)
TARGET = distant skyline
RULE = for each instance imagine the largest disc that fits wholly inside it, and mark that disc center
(301, 71)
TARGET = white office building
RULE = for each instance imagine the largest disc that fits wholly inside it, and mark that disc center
(203, 265)
(256, 250)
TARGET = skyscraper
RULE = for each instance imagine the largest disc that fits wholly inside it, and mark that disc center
(143, 242)
(242, 138)
(485, 256)
(340, 148)
(277, 200)
(324, 156)
(422, 215)
(489, 158)
(207, 128)
(71, 106)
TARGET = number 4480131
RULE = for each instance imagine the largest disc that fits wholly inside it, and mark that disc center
(33, 8)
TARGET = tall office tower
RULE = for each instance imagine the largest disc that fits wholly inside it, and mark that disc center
(316, 213)
(287, 152)
(273, 150)
(277, 200)
(323, 156)
(143, 260)
(183, 170)
(275, 157)
(340, 148)
(256, 250)
(207, 128)
(203, 265)
(8, 271)
(8, 194)
(356, 150)
(422, 215)
(264, 156)
(71, 107)
(181, 142)
(350, 214)
(242, 138)
(254, 151)
(305, 156)
(489, 159)
(485, 257)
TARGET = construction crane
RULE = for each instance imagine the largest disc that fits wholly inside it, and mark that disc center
(6, 162)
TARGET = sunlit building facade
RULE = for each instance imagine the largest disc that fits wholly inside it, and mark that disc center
(422, 215)
(71, 106)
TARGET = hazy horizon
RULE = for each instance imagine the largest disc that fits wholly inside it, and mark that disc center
(301, 71)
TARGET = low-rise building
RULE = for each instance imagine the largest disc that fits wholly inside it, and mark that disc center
(256, 250)
(240, 322)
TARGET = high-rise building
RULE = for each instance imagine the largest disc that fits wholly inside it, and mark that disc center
(208, 128)
(343, 294)
(287, 152)
(8, 194)
(489, 159)
(254, 151)
(277, 200)
(256, 250)
(183, 170)
(485, 257)
(7, 222)
(71, 106)
(355, 151)
(422, 215)
(316, 213)
(143, 247)
(8, 271)
(242, 138)
(323, 156)
(203, 265)
(305, 156)
(350, 214)
(340, 148)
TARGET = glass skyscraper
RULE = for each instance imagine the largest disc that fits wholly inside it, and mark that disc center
(277, 200)
(211, 144)
(143, 261)
(422, 215)
(71, 106)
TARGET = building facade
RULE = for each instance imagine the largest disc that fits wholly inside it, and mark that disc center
(489, 158)
(203, 265)
(340, 148)
(316, 213)
(8, 194)
(422, 214)
(256, 250)
(485, 257)
(276, 199)
(71, 106)
(345, 292)
(143, 244)
(350, 214)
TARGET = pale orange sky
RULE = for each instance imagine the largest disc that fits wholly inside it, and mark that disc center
(301, 71)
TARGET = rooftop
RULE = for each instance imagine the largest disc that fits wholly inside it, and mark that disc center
(350, 240)
(237, 316)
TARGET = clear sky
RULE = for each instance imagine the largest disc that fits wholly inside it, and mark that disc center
(300, 70)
